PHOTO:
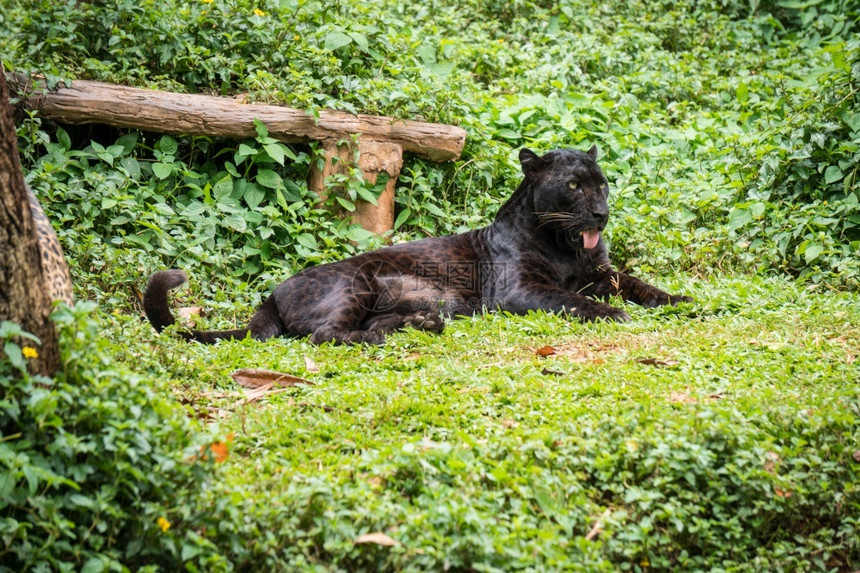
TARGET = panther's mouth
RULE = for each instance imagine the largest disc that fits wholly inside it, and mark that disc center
(590, 238)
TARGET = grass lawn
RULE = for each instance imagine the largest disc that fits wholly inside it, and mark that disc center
(722, 434)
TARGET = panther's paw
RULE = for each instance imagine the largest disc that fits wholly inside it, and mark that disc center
(425, 321)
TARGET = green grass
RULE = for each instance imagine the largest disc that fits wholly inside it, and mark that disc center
(733, 450)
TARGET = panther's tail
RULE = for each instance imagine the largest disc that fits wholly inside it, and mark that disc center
(155, 305)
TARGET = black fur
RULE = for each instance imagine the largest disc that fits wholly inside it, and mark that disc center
(533, 256)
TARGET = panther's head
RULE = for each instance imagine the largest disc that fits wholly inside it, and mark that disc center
(569, 194)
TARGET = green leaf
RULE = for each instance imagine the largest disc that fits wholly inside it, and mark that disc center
(345, 203)
(127, 142)
(402, 217)
(243, 153)
(307, 240)
(14, 355)
(235, 222)
(131, 166)
(739, 218)
(260, 128)
(366, 194)
(63, 138)
(812, 252)
(742, 93)
(832, 174)
(162, 170)
(433, 209)
(359, 234)
(337, 39)
(275, 151)
(168, 145)
(7, 484)
(253, 195)
(268, 178)
(508, 134)
(94, 565)
(360, 41)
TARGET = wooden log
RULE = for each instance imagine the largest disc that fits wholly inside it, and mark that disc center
(194, 114)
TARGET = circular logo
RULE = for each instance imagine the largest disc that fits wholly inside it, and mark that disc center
(377, 285)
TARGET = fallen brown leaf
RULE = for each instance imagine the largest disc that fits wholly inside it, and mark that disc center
(220, 450)
(548, 372)
(377, 538)
(857, 456)
(311, 366)
(770, 462)
(545, 351)
(187, 312)
(254, 378)
(598, 526)
(655, 362)
(682, 397)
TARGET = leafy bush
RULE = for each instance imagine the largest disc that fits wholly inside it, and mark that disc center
(728, 128)
(97, 467)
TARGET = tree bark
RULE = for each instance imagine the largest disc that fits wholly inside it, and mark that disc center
(24, 297)
(374, 159)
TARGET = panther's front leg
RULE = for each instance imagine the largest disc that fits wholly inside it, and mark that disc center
(631, 289)
(555, 299)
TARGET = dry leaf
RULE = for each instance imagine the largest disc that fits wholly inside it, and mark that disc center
(781, 493)
(545, 351)
(510, 423)
(481, 389)
(770, 462)
(311, 366)
(220, 450)
(857, 456)
(253, 378)
(258, 393)
(682, 397)
(187, 312)
(378, 538)
(655, 362)
(598, 526)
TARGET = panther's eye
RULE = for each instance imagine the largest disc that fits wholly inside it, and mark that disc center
(573, 185)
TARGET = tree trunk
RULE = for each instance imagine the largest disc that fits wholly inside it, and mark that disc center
(24, 297)
(374, 158)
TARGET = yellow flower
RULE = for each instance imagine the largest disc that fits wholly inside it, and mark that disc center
(30, 352)
(259, 12)
(162, 522)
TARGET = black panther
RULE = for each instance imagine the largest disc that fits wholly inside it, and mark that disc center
(543, 251)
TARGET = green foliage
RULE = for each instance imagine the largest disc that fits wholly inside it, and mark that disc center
(97, 469)
(722, 436)
(730, 132)
(728, 128)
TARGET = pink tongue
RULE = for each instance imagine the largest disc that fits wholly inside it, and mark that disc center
(590, 238)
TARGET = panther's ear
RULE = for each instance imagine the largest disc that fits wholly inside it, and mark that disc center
(593, 152)
(532, 163)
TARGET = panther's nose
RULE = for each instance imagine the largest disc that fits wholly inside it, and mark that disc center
(600, 216)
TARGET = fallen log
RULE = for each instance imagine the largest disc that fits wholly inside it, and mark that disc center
(194, 114)
(385, 138)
